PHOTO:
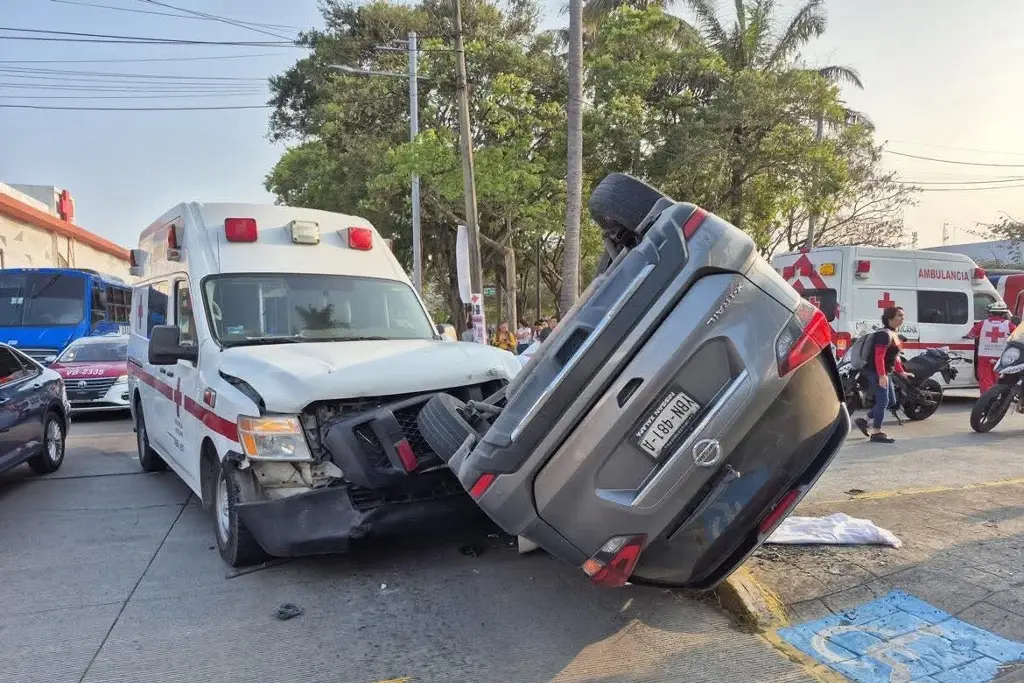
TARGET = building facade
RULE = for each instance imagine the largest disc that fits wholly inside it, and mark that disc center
(36, 233)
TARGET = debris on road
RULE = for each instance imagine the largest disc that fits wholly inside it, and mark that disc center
(471, 550)
(287, 610)
(836, 529)
(855, 492)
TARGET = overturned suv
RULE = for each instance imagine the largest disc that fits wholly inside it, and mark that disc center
(682, 408)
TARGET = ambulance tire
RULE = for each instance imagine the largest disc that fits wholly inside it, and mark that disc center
(236, 544)
(149, 459)
(621, 202)
(444, 427)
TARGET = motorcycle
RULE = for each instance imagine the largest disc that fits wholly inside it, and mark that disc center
(918, 397)
(993, 405)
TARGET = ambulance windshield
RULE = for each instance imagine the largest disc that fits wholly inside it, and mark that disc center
(270, 308)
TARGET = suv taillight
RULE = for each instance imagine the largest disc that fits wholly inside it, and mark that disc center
(803, 338)
(613, 564)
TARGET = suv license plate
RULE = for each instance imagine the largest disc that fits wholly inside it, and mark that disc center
(661, 426)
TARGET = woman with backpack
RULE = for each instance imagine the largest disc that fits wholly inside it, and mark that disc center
(881, 364)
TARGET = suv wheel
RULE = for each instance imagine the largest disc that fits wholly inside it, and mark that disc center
(50, 458)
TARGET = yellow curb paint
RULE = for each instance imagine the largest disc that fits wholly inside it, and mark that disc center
(880, 495)
(752, 601)
(403, 679)
(813, 668)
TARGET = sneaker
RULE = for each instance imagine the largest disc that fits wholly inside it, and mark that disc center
(862, 425)
(882, 437)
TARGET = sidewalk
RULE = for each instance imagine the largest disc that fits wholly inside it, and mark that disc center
(963, 553)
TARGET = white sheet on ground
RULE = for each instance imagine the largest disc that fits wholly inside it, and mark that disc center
(836, 529)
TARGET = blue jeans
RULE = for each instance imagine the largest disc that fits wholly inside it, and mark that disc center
(883, 399)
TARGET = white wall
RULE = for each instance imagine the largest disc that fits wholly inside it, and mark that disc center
(27, 246)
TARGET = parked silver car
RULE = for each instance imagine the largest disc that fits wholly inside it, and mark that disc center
(680, 411)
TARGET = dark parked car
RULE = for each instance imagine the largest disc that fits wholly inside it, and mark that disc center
(677, 414)
(34, 413)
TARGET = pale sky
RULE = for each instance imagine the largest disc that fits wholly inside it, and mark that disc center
(941, 80)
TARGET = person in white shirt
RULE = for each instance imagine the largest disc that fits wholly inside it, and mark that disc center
(524, 336)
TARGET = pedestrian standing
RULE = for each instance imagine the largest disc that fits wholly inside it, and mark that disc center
(468, 335)
(504, 339)
(990, 337)
(524, 336)
(884, 362)
(544, 331)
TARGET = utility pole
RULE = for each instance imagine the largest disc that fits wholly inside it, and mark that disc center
(812, 220)
(414, 130)
(466, 143)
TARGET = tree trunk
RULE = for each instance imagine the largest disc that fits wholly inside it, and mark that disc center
(511, 280)
(574, 174)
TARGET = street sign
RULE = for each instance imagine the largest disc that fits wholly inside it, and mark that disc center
(490, 291)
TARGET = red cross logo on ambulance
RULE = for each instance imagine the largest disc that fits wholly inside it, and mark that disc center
(803, 269)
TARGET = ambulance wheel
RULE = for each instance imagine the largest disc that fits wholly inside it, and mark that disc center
(621, 202)
(444, 425)
(236, 545)
(149, 460)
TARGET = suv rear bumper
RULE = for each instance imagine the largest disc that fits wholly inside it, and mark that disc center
(325, 521)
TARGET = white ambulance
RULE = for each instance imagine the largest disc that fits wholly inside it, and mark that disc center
(942, 295)
(278, 358)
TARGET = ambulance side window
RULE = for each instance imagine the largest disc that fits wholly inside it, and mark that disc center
(183, 313)
(158, 298)
(981, 304)
(942, 308)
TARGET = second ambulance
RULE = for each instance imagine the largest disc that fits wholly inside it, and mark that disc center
(278, 360)
(942, 295)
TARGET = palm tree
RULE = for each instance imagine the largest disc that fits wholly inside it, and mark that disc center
(574, 172)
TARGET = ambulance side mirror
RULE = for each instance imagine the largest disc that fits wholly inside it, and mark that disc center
(165, 346)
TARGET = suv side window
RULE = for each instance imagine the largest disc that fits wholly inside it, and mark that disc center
(12, 369)
(184, 316)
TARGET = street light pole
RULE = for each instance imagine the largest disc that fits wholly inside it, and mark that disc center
(414, 130)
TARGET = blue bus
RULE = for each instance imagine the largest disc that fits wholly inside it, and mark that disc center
(42, 310)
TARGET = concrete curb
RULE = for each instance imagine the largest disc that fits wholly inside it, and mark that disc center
(755, 604)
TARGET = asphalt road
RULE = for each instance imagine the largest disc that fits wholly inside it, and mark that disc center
(109, 574)
(940, 451)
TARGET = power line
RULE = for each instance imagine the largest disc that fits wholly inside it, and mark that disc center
(225, 108)
(951, 161)
(79, 37)
(182, 88)
(970, 189)
(214, 17)
(167, 14)
(240, 93)
(62, 74)
(1014, 179)
(958, 149)
(150, 59)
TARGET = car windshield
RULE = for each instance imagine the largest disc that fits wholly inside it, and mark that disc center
(95, 352)
(275, 308)
(41, 299)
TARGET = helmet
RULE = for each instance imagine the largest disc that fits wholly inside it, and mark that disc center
(998, 308)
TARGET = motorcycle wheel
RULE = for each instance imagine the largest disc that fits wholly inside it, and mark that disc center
(990, 408)
(932, 392)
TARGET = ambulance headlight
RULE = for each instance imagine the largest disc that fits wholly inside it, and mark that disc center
(273, 438)
(1009, 357)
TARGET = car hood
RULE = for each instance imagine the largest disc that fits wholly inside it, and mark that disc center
(291, 376)
(87, 370)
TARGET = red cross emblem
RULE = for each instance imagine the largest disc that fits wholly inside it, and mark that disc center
(803, 268)
(815, 300)
(885, 301)
(995, 335)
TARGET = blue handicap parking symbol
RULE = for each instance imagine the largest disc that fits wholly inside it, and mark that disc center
(899, 638)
